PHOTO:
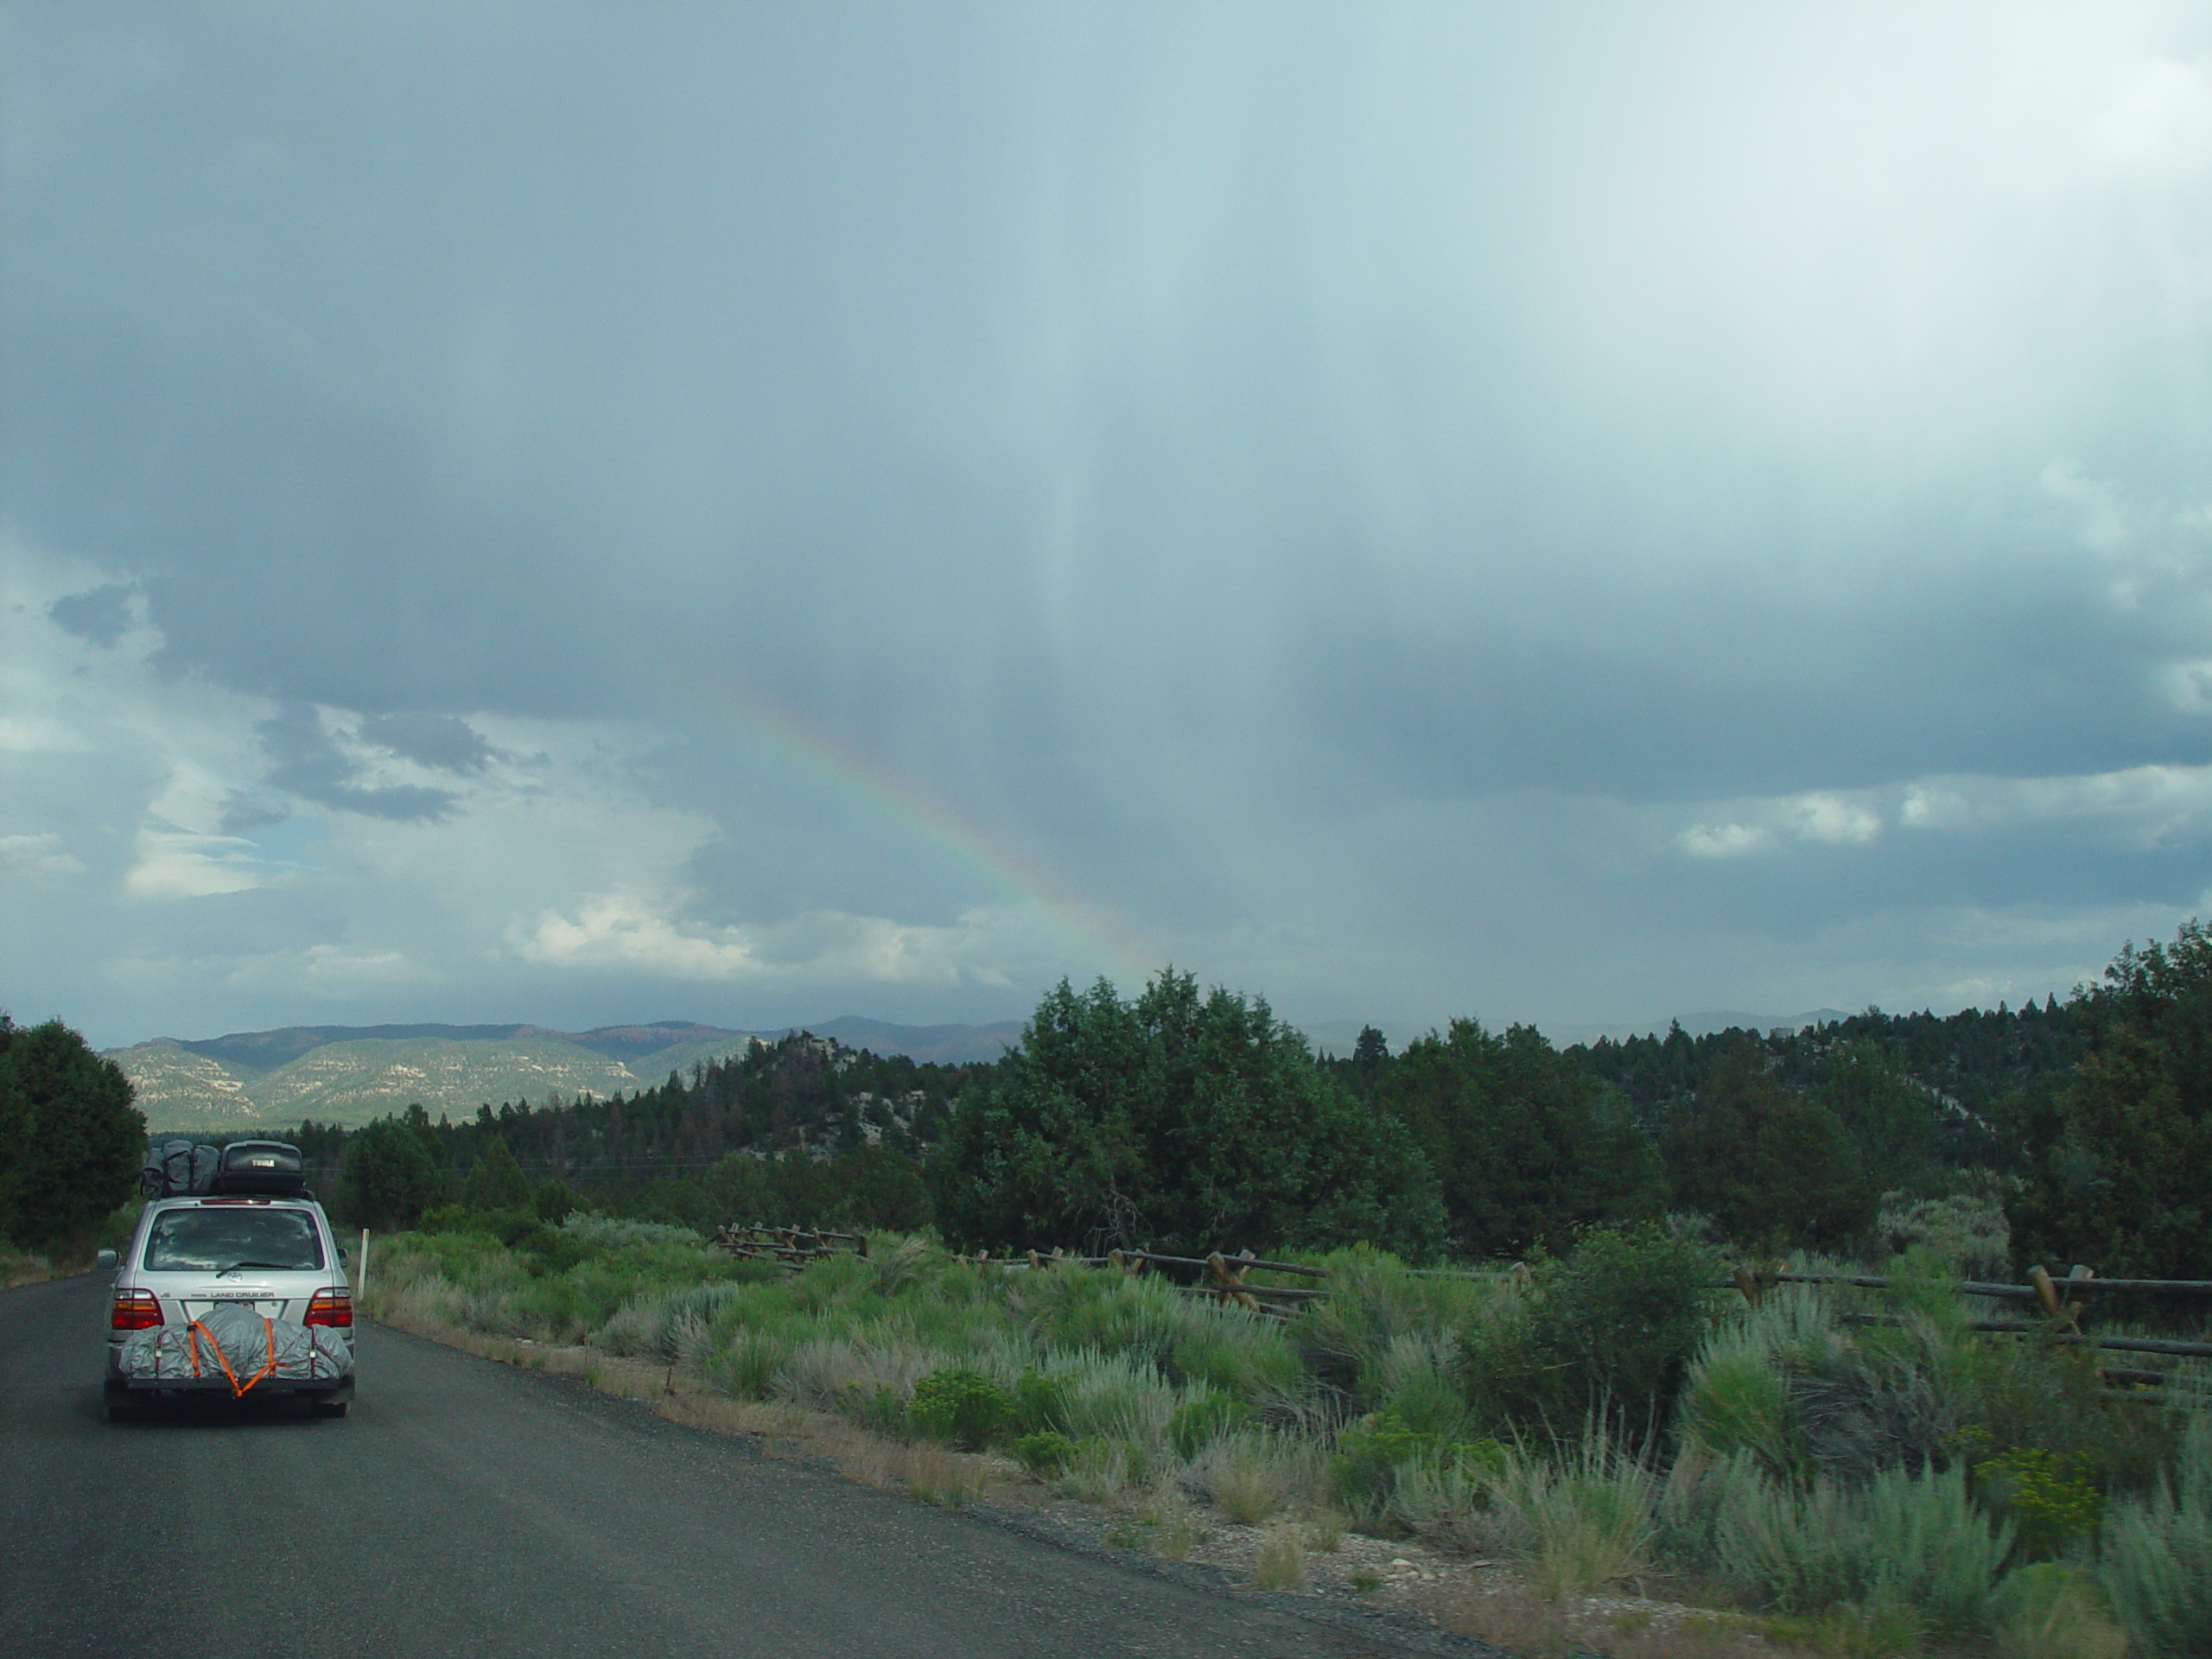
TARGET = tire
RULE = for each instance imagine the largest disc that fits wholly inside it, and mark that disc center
(330, 1408)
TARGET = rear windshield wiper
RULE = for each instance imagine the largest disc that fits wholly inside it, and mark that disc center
(281, 1267)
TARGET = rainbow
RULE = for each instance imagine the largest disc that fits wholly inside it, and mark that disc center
(1098, 937)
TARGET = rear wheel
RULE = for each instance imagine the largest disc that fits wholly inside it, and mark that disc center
(331, 1408)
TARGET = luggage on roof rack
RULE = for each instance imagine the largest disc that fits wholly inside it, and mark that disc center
(270, 1167)
(177, 1169)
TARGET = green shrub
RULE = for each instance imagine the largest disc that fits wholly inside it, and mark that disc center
(1374, 1453)
(1911, 1539)
(1416, 1379)
(554, 1202)
(1041, 1403)
(1739, 1401)
(959, 1405)
(1966, 1232)
(608, 1232)
(1259, 1473)
(747, 1368)
(1447, 1503)
(2046, 1496)
(1198, 1423)
(1790, 1382)
(1370, 1453)
(1585, 1511)
(1374, 1304)
(2155, 1557)
(1243, 1355)
(1115, 1315)
(880, 1408)
(1608, 1331)
(1044, 1454)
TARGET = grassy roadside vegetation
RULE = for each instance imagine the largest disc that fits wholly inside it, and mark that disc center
(74, 1255)
(1606, 1420)
(21, 1268)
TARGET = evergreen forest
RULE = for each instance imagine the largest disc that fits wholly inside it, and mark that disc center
(1189, 1119)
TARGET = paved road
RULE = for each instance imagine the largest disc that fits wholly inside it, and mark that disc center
(467, 1508)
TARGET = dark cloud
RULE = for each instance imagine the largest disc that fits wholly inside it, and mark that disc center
(248, 809)
(446, 741)
(309, 763)
(102, 616)
(1182, 458)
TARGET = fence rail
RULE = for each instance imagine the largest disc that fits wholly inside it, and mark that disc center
(788, 1247)
(1223, 1278)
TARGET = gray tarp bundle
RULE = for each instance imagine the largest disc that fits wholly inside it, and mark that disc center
(176, 1167)
(232, 1344)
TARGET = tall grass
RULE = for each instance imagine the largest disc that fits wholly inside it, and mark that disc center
(1876, 1478)
(1909, 1538)
(2156, 1556)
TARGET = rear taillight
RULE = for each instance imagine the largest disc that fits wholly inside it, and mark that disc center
(135, 1310)
(331, 1307)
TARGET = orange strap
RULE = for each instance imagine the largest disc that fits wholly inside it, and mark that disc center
(237, 1388)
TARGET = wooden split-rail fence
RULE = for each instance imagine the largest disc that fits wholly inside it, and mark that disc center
(788, 1247)
(1225, 1279)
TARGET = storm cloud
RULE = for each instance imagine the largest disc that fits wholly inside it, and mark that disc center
(582, 515)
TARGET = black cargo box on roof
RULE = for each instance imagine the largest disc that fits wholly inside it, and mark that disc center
(272, 1167)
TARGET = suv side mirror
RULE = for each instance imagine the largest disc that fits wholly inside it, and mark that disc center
(103, 1261)
(345, 1256)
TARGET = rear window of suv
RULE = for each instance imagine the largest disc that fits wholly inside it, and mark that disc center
(215, 1241)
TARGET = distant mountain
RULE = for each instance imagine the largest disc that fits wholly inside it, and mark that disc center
(1695, 1024)
(944, 1045)
(627, 1043)
(1340, 1037)
(265, 1050)
(349, 1074)
(178, 1088)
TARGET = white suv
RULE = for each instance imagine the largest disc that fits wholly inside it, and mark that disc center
(226, 1256)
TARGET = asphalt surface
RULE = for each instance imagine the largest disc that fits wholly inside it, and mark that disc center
(467, 1508)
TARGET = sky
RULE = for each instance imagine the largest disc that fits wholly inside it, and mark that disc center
(1570, 514)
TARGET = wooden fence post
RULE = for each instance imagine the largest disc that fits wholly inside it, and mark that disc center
(1232, 1283)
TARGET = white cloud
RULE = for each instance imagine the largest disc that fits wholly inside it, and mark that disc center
(38, 855)
(1758, 826)
(1926, 807)
(175, 864)
(2153, 548)
(2186, 686)
(333, 967)
(631, 931)
(2138, 806)
(2103, 526)
(1723, 841)
(182, 853)
(2134, 807)
(33, 733)
(1833, 819)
